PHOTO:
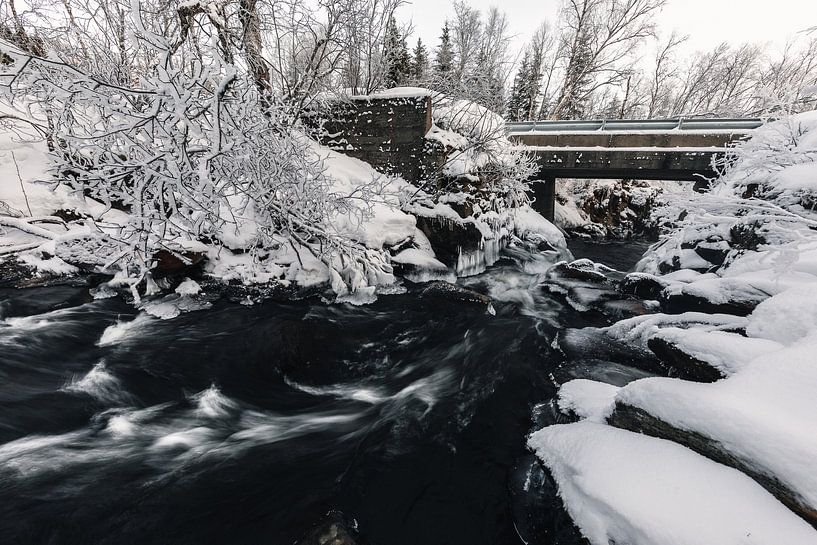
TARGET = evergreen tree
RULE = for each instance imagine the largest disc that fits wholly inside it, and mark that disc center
(420, 64)
(444, 60)
(396, 56)
(516, 111)
(572, 103)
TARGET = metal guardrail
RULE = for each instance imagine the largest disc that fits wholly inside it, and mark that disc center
(634, 125)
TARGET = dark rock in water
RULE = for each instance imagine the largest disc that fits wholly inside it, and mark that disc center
(445, 291)
(591, 344)
(332, 530)
(168, 263)
(581, 269)
(642, 285)
(684, 365)
(14, 274)
(678, 302)
(640, 421)
(450, 238)
(238, 292)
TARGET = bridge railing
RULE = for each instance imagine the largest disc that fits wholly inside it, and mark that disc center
(681, 124)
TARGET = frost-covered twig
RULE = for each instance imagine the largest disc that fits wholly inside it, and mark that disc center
(26, 227)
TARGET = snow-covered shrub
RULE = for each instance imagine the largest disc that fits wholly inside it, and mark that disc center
(480, 168)
(778, 164)
(192, 154)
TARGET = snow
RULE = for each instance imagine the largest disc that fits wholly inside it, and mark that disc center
(727, 352)
(640, 329)
(418, 258)
(530, 224)
(188, 287)
(588, 399)
(763, 415)
(623, 487)
(786, 317)
(402, 92)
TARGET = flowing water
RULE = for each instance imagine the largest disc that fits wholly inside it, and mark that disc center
(242, 424)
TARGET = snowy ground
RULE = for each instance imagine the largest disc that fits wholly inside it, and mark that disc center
(735, 273)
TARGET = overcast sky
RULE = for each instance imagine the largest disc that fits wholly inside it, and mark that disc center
(707, 22)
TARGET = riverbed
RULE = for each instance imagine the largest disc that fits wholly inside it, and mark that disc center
(238, 424)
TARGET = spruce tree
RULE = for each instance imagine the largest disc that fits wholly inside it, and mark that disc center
(516, 110)
(420, 64)
(444, 60)
(396, 56)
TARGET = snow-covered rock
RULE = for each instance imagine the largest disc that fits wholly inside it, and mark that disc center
(623, 487)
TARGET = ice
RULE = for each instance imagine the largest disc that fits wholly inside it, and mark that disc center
(623, 487)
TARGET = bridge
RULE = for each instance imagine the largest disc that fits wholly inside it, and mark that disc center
(655, 149)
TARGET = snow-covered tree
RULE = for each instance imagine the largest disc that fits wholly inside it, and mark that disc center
(396, 55)
(444, 56)
(420, 66)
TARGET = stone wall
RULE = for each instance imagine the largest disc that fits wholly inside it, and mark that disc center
(388, 133)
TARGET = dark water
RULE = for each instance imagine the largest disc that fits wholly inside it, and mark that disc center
(248, 424)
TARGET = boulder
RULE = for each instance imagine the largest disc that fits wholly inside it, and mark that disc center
(450, 238)
(637, 420)
(683, 365)
(642, 285)
(445, 291)
(168, 263)
(679, 301)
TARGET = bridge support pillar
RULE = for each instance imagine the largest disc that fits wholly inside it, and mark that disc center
(543, 193)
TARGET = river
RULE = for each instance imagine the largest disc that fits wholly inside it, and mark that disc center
(247, 424)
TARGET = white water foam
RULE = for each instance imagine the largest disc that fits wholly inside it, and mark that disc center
(100, 384)
(122, 331)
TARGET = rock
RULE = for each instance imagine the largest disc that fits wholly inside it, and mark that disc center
(444, 291)
(683, 365)
(678, 302)
(332, 530)
(642, 285)
(580, 269)
(714, 252)
(747, 236)
(450, 238)
(637, 420)
(14, 274)
(168, 263)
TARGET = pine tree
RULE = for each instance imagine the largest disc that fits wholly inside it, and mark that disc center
(420, 64)
(396, 56)
(444, 60)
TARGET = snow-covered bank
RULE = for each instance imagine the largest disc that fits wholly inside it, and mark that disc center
(394, 229)
(734, 274)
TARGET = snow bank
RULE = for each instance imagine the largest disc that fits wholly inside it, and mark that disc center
(623, 487)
